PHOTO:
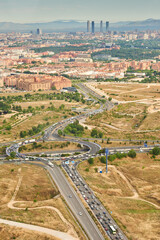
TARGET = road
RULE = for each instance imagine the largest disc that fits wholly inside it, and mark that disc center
(99, 211)
(75, 203)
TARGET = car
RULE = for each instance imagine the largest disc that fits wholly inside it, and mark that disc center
(80, 213)
(70, 196)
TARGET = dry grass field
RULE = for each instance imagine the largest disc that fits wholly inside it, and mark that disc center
(131, 190)
(128, 121)
(9, 233)
(47, 103)
(28, 196)
(28, 123)
(129, 91)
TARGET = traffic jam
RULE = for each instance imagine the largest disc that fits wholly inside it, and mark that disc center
(103, 217)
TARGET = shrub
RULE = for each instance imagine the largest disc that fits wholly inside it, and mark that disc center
(102, 159)
(155, 151)
(132, 153)
(90, 160)
(8, 127)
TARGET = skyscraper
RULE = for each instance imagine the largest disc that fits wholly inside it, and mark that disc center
(93, 29)
(107, 26)
(39, 31)
(101, 26)
(88, 26)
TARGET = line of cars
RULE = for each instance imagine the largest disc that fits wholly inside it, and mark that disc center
(110, 227)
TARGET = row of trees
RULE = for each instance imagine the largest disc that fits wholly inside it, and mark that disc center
(34, 130)
(6, 101)
(131, 154)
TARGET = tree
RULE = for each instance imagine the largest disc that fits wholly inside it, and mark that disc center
(103, 159)
(94, 133)
(53, 88)
(100, 135)
(8, 127)
(60, 132)
(13, 154)
(90, 161)
(155, 151)
(132, 153)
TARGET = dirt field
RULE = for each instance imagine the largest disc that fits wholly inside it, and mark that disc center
(131, 190)
(34, 200)
(8, 233)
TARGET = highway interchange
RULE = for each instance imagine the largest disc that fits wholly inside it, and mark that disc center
(70, 195)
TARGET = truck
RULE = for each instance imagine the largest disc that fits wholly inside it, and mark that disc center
(32, 140)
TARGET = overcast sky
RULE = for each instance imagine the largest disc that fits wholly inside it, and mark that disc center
(49, 10)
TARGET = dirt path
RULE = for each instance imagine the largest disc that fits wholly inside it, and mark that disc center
(70, 235)
(51, 232)
(135, 193)
(112, 127)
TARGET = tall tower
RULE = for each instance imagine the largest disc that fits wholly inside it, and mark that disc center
(101, 26)
(107, 26)
(93, 29)
(88, 26)
(39, 31)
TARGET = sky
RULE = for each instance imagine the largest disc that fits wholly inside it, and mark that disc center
(27, 11)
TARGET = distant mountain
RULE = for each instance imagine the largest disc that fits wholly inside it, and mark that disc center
(151, 24)
(73, 26)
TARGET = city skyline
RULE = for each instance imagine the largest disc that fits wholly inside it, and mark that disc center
(44, 11)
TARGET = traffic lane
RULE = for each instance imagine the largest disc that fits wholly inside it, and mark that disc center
(101, 210)
(75, 204)
(56, 152)
(97, 208)
(94, 148)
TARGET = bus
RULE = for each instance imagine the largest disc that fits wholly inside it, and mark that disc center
(50, 164)
(112, 229)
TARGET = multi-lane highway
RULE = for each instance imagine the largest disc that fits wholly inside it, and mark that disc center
(103, 217)
(75, 203)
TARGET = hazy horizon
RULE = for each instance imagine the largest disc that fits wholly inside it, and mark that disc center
(34, 11)
(77, 20)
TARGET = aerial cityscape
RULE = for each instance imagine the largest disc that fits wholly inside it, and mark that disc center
(79, 120)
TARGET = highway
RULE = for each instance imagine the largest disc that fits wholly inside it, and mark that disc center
(75, 203)
(103, 217)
